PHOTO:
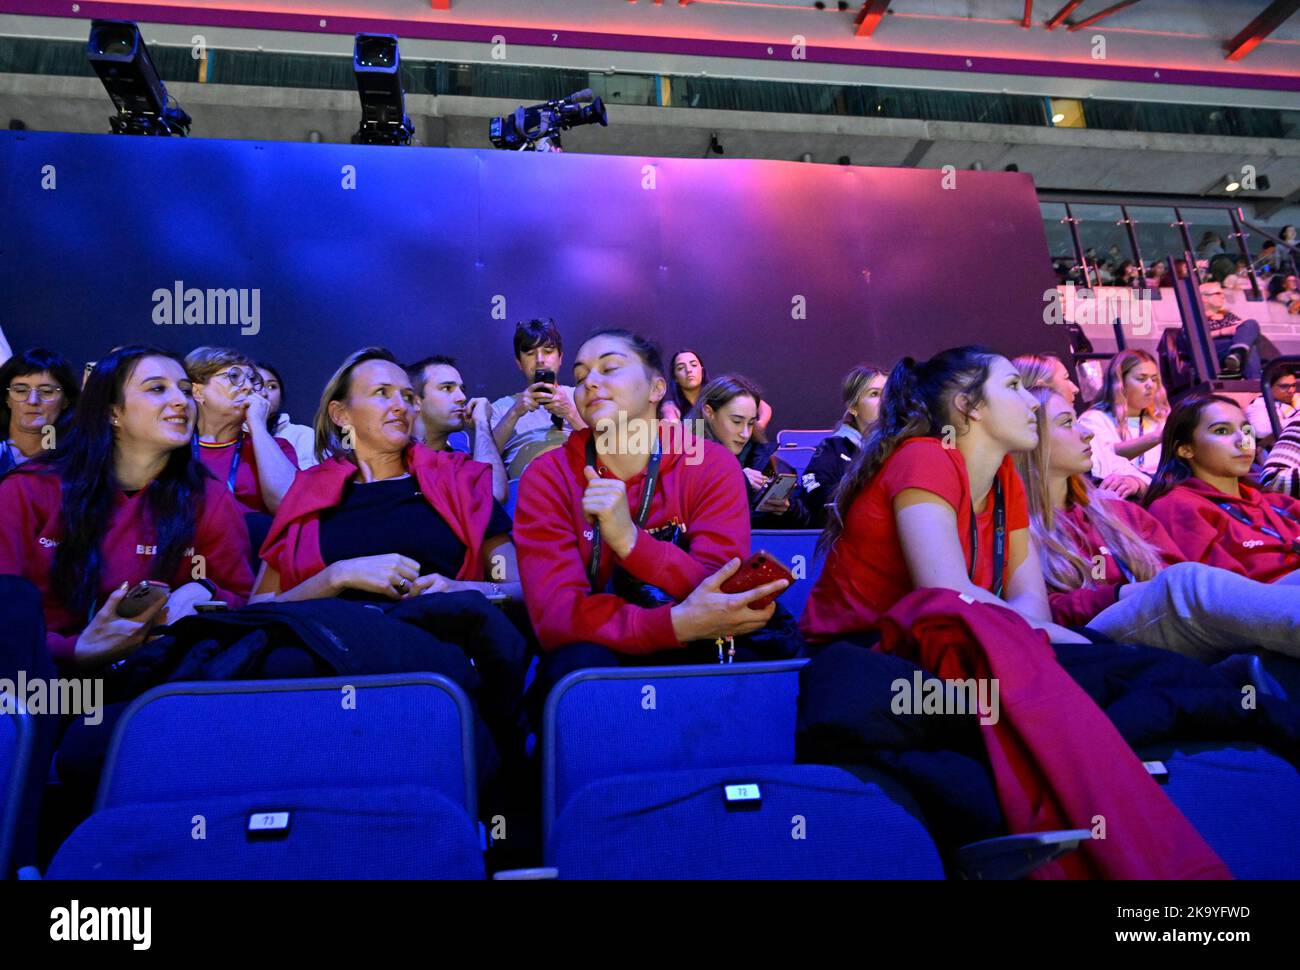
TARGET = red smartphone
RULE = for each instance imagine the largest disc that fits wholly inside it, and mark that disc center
(758, 570)
(142, 596)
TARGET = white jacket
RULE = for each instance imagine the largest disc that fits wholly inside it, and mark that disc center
(1105, 462)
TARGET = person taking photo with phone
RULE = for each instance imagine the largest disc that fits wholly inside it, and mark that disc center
(542, 415)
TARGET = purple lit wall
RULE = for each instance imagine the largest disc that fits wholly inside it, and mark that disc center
(710, 254)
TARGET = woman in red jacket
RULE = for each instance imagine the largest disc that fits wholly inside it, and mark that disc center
(933, 500)
(1111, 566)
(122, 500)
(385, 518)
(1200, 496)
(603, 517)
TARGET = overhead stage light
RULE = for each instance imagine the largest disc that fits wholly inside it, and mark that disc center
(378, 69)
(120, 58)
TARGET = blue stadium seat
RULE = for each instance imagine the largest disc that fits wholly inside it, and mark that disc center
(376, 773)
(796, 447)
(17, 738)
(794, 438)
(797, 548)
(635, 761)
(513, 499)
(1241, 798)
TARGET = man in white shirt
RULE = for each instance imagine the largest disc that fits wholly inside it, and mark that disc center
(542, 415)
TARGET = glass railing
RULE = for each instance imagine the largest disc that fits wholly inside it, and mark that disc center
(534, 84)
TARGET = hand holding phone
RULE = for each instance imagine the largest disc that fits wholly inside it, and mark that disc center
(758, 570)
(141, 597)
(777, 490)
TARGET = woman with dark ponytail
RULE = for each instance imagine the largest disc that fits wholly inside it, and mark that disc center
(933, 500)
(122, 500)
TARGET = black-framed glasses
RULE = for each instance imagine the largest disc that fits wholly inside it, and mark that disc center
(46, 392)
(237, 377)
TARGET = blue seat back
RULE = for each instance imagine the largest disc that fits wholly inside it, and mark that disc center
(211, 739)
(797, 549)
(512, 499)
(795, 438)
(604, 722)
(813, 822)
(17, 733)
(1242, 799)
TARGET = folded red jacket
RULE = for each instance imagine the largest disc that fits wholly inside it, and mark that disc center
(1058, 761)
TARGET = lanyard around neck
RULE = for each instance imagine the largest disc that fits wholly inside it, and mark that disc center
(999, 539)
(1267, 530)
(234, 460)
(643, 510)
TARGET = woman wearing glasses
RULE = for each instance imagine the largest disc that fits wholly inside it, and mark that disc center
(40, 390)
(231, 438)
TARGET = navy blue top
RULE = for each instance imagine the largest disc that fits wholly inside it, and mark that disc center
(391, 516)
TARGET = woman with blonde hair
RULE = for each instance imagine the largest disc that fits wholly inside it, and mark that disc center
(1127, 422)
(1111, 566)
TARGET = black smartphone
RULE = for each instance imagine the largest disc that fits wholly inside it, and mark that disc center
(544, 377)
(778, 488)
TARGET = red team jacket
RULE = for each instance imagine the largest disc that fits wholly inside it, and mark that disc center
(458, 488)
(1076, 607)
(1206, 533)
(247, 491)
(31, 528)
(553, 537)
(1057, 759)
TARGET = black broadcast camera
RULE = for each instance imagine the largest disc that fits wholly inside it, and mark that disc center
(538, 128)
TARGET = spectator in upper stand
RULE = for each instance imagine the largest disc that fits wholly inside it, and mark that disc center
(1285, 290)
(445, 408)
(1236, 341)
(1239, 278)
(1126, 423)
(1268, 261)
(541, 416)
(1127, 273)
(1284, 396)
(591, 542)
(385, 517)
(300, 436)
(1289, 241)
(689, 377)
(860, 397)
(1201, 498)
(728, 409)
(1158, 274)
(122, 500)
(1111, 566)
(1046, 370)
(40, 391)
(231, 437)
(1211, 245)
